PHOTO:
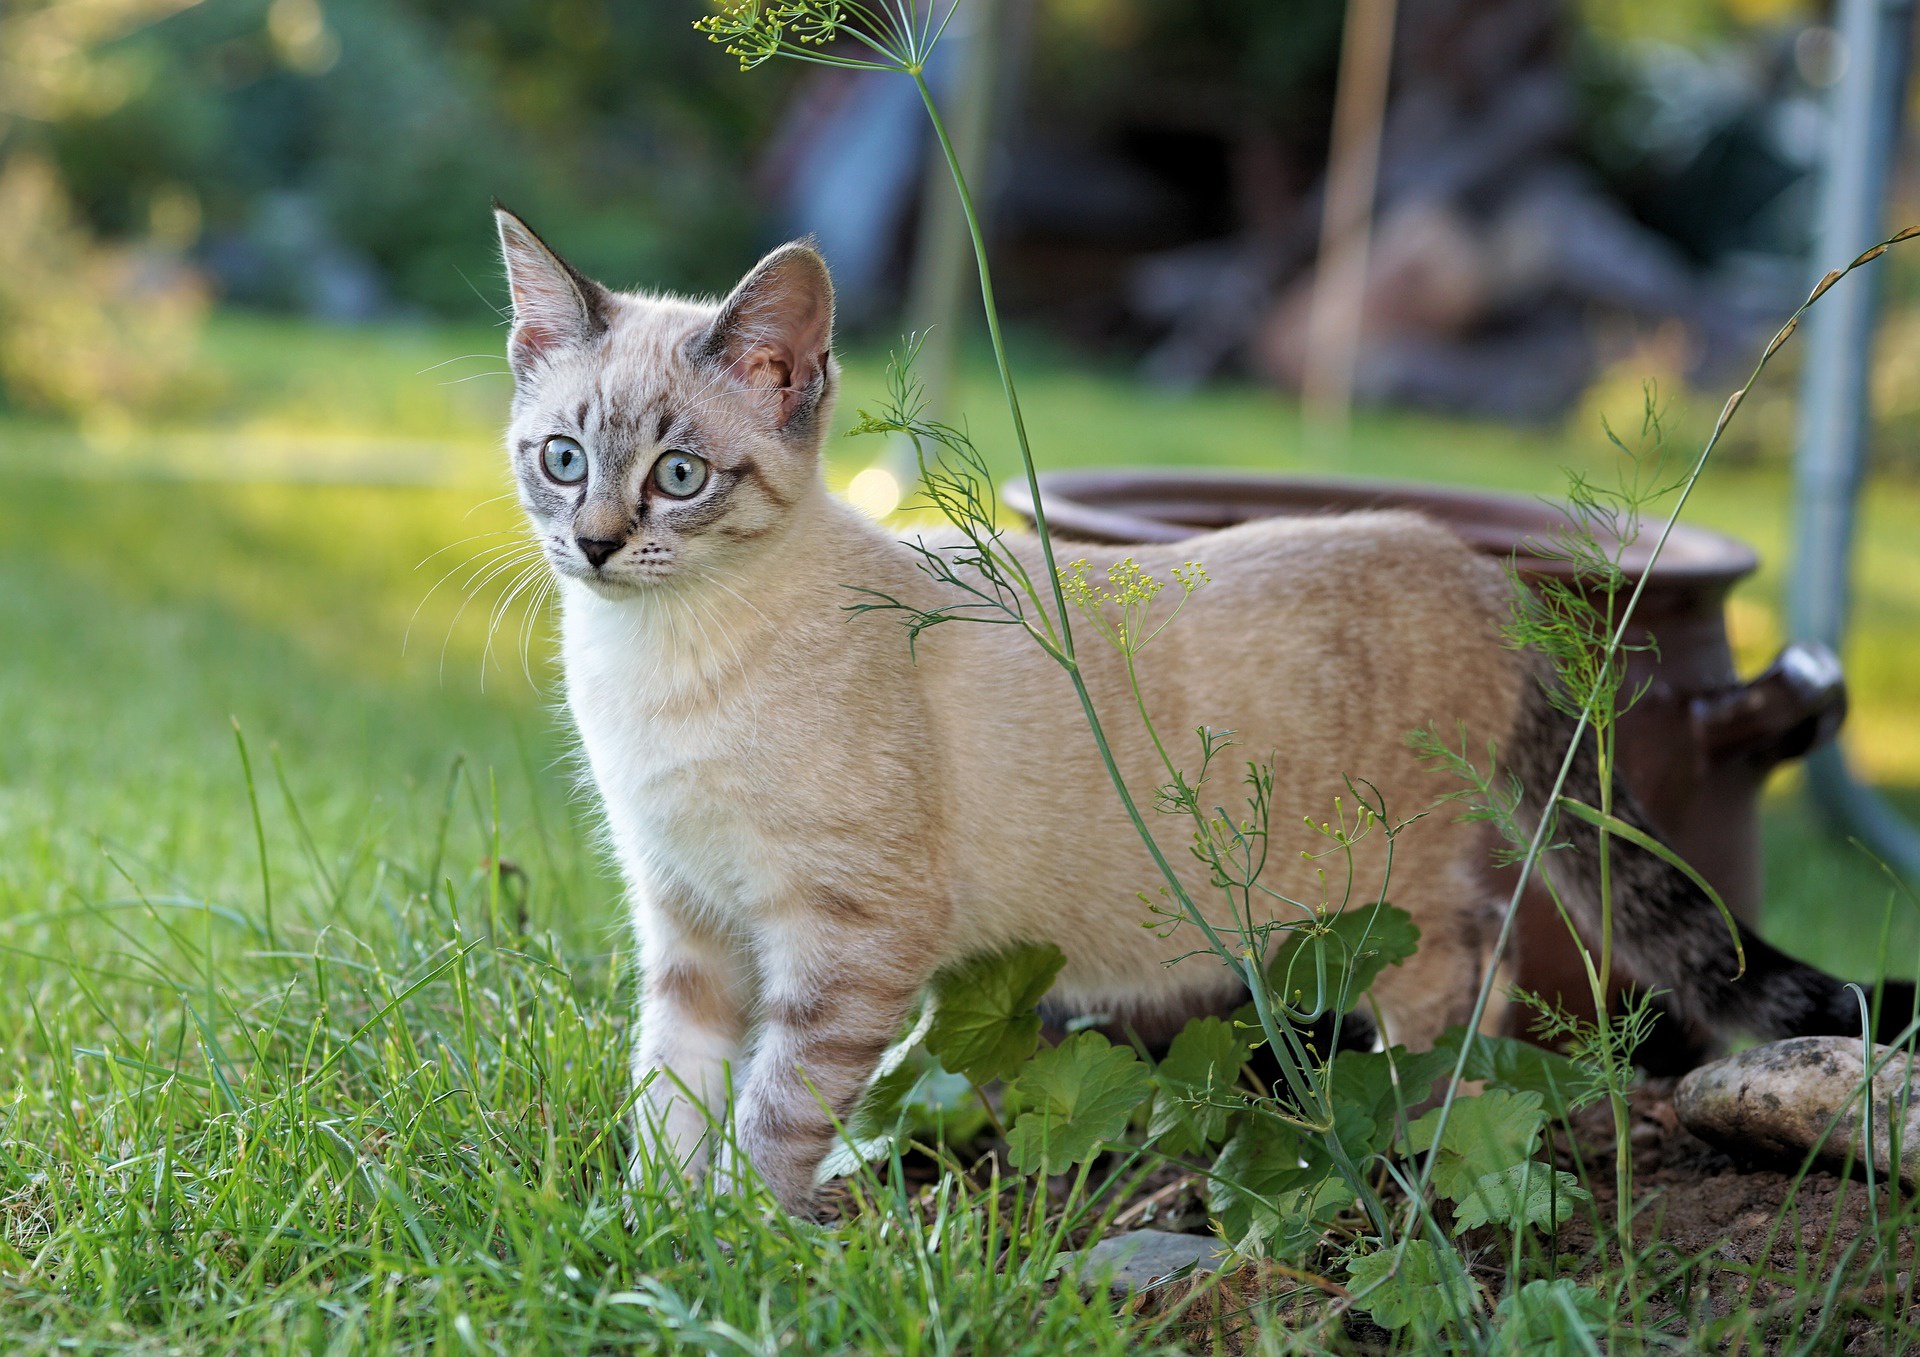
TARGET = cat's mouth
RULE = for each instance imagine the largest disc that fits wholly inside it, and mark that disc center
(622, 580)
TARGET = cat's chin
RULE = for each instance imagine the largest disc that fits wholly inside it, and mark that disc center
(616, 588)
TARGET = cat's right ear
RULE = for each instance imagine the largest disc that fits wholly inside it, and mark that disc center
(555, 306)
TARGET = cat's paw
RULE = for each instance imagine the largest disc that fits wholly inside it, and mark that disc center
(741, 1172)
(730, 1174)
(673, 1140)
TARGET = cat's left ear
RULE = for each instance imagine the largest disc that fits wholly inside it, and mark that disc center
(555, 306)
(775, 332)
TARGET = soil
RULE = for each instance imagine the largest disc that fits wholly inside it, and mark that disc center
(1693, 1199)
(1722, 1235)
(1734, 1235)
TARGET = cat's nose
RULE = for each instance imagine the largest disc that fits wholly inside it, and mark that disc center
(597, 549)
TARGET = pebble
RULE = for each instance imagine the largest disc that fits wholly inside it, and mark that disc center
(1142, 1258)
(1773, 1104)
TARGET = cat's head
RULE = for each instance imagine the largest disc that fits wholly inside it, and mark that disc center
(653, 438)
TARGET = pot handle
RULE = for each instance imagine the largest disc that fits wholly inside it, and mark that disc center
(1796, 706)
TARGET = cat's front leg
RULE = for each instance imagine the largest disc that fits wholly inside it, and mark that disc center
(693, 1007)
(838, 981)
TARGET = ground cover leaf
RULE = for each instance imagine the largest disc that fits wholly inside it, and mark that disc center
(1550, 1316)
(1483, 1135)
(1366, 1080)
(1274, 1184)
(1077, 1095)
(1330, 965)
(1427, 1291)
(1194, 1083)
(1527, 1193)
(1506, 1062)
(986, 1019)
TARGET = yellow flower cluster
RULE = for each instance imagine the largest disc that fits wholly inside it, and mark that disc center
(1130, 589)
(1191, 575)
(755, 30)
(1127, 585)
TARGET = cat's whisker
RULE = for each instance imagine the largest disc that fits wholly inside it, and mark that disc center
(727, 391)
(494, 611)
(528, 621)
(451, 571)
(713, 386)
(475, 537)
(503, 314)
(501, 607)
(458, 358)
(695, 609)
(527, 581)
(750, 689)
(485, 502)
(510, 551)
(719, 617)
(476, 584)
(711, 578)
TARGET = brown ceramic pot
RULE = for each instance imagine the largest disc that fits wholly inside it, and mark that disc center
(1695, 748)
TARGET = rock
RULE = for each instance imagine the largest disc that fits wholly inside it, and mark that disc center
(1139, 1259)
(1775, 1103)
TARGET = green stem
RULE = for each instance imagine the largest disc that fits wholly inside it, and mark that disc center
(259, 835)
(1006, 371)
(1616, 1058)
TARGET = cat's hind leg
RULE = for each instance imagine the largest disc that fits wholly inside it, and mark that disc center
(1436, 987)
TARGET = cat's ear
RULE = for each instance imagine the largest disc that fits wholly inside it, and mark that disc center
(555, 306)
(775, 332)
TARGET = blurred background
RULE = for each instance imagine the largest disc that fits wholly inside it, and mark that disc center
(250, 334)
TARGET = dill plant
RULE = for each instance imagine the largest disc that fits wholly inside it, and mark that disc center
(1569, 620)
(1326, 951)
(990, 584)
(1582, 628)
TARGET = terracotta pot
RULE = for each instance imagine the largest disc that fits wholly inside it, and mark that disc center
(1696, 747)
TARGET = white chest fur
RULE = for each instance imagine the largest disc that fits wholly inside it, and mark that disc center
(669, 716)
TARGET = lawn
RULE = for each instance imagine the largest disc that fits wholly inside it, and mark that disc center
(318, 1074)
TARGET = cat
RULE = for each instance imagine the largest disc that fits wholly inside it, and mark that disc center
(811, 820)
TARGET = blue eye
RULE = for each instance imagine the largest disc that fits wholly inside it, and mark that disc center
(564, 460)
(680, 474)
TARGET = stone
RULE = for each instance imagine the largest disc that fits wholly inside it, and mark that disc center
(1139, 1259)
(1776, 1104)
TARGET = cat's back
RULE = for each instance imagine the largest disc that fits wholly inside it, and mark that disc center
(1373, 567)
(1362, 624)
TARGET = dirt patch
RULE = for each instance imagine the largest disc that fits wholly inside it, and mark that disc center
(1772, 1242)
(1693, 1199)
(1790, 1252)
(1716, 1239)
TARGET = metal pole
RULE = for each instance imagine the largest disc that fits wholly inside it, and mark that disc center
(1868, 107)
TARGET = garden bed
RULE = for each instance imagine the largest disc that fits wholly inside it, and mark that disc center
(1781, 1257)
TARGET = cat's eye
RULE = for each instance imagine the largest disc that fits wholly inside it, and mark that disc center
(564, 460)
(680, 474)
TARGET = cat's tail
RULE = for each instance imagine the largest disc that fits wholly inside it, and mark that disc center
(1667, 933)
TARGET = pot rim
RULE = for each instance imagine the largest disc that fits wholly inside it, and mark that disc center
(1146, 504)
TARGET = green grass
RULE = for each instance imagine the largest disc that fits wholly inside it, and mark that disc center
(386, 1119)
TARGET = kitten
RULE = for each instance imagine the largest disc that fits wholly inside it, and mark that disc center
(811, 821)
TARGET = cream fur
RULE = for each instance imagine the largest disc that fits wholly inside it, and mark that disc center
(811, 821)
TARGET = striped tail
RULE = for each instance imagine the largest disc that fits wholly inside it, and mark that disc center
(1667, 933)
